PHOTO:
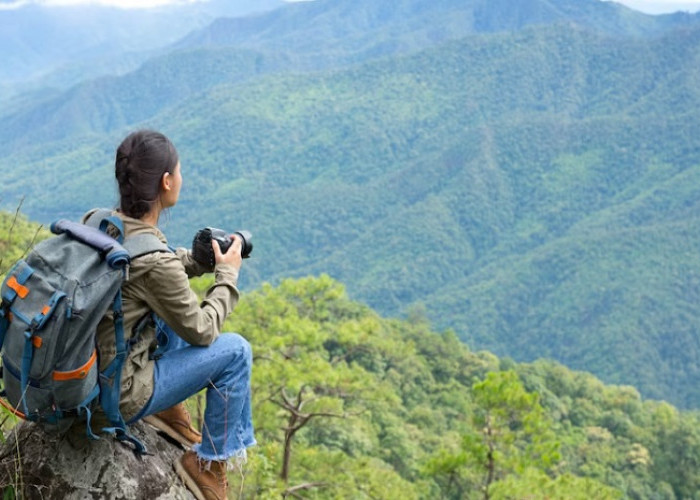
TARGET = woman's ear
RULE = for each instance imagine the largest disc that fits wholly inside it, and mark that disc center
(166, 182)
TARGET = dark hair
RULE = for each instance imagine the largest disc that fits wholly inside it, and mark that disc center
(142, 160)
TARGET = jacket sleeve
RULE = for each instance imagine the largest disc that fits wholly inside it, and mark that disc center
(192, 267)
(172, 299)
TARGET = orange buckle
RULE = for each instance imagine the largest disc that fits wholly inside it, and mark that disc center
(21, 290)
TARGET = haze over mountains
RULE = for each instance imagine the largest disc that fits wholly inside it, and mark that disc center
(64, 45)
(523, 171)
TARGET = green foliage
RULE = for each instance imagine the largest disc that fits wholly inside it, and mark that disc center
(399, 409)
(514, 435)
(17, 237)
(535, 485)
(348, 404)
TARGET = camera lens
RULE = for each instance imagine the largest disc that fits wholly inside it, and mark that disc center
(246, 243)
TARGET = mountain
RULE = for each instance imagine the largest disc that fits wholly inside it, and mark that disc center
(348, 28)
(69, 43)
(300, 37)
(531, 189)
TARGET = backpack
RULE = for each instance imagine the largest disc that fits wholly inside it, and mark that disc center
(51, 304)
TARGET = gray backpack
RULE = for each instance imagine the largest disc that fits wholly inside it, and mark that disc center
(51, 304)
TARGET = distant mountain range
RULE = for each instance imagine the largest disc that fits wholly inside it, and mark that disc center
(350, 24)
(63, 45)
(523, 172)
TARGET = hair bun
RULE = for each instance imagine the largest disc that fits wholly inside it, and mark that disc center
(142, 159)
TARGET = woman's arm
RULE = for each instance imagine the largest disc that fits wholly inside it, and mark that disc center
(192, 267)
(172, 299)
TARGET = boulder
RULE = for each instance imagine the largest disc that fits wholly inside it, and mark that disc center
(39, 465)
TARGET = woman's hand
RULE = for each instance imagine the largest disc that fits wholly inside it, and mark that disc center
(232, 256)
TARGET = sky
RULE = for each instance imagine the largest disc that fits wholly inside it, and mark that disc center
(649, 6)
(127, 4)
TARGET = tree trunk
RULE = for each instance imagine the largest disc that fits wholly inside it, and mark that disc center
(287, 456)
(37, 465)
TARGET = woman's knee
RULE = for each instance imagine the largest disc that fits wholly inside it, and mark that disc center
(239, 345)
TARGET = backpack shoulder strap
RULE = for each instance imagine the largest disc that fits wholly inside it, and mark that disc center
(137, 246)
(143, 244)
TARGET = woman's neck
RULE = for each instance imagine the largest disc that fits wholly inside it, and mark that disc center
(152, 216)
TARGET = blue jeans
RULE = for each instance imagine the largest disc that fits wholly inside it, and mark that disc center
(224, 369)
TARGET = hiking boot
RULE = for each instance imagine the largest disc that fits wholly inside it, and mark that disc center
(177, 424)
(206, 480)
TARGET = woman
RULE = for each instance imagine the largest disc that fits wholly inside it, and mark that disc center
(192, 354)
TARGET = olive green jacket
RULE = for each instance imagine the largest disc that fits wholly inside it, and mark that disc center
(158, 282)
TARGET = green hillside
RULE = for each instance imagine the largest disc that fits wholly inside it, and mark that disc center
(533, 190)
(423, 186)
(396, 410)
(375, 408)
(17, 237)
(391, 406)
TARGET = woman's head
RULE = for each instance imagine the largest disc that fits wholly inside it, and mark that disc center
(148, 173)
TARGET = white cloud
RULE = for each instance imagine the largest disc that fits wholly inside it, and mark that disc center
(12, 5)
(125, 4)
(661, 6)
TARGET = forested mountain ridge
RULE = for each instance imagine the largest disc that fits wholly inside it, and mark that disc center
(360, 26)
(534, 190)
(331, 33)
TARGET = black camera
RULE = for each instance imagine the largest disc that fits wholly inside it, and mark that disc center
(204, 253)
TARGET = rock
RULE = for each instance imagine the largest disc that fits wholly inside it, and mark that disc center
(39, 465)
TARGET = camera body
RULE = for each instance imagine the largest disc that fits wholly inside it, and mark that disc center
(202, 251)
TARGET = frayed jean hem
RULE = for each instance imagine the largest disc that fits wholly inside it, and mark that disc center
(238, 457)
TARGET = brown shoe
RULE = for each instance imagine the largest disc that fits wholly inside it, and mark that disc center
(207, 481)
(177, 424)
